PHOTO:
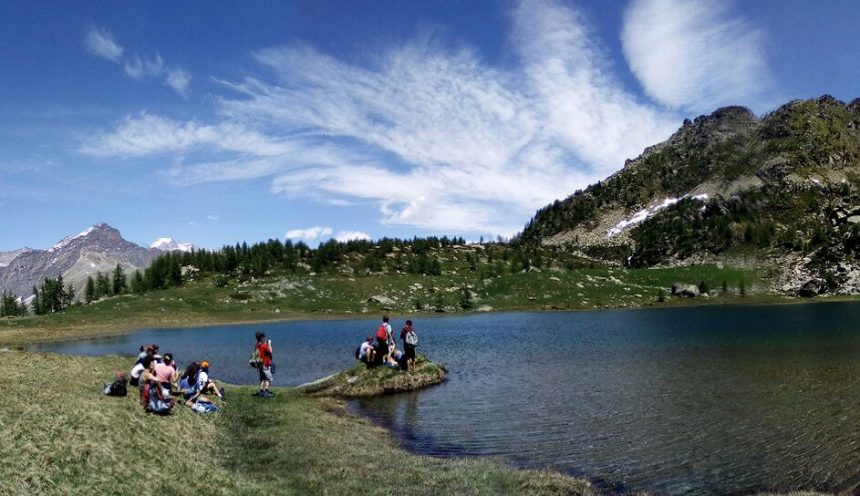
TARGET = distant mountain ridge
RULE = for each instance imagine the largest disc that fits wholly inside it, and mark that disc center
(98, 248)
(781, 191)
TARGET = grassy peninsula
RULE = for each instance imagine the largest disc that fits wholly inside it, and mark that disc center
(359, 381)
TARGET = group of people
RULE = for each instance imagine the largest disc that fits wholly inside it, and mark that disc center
(384, 352)
(159, 380)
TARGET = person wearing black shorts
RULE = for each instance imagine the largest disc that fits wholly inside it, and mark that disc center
(408, 349)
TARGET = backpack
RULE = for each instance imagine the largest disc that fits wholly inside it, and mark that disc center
(118, 387)
(382, 333)
(255, 361)
(411, 338)
(153, 399)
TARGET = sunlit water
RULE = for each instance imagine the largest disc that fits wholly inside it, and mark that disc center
(707, 400)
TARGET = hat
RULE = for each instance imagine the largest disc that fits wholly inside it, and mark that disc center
(204, 364)
(168, 357)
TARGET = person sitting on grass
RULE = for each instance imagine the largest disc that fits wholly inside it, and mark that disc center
(206, 385)
(137, 370)
(165, 372)
(191, 393)
(397, 360)
(151, 394)
(366, 353)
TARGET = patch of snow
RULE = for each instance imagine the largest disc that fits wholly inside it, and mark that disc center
(170, 244)
(68, 239)
(648, 212)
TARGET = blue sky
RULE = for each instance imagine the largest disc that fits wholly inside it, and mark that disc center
(217, 122)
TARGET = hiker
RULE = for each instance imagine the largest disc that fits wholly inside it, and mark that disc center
(264, 350)
(151, 349)
(137, 370)
(165, 372)
(390, 332)
(366, 352)
(191, 393)
(409, 338)
(397, 359)
(381, 353)
(204, 384)
(151, 395)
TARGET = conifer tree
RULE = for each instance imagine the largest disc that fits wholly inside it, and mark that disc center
(119, 282)
(90, 291)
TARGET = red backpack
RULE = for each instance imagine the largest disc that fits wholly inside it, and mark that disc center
(382, 333)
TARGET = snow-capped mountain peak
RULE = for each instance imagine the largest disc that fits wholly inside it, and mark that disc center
(68, 239)
(170, 244)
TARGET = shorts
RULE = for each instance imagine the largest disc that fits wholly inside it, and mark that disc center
(409, 350)
(265, 373)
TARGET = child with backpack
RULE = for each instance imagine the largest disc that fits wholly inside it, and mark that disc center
(410, 342)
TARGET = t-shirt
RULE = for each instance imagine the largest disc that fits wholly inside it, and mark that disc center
(365, 348)
(202, 379)
(388, 330)
(137, 370)
(265, 352)
(164, 372)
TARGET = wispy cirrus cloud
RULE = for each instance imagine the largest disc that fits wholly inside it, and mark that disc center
(694, 54)
(433, 136)
(100, 42)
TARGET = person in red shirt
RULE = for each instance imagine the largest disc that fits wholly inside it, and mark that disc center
(264, 349)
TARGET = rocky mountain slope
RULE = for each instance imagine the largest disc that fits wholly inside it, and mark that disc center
(780, 192)
(98, 248)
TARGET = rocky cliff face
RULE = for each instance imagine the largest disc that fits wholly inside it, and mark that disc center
(98, 248)
(783, 189)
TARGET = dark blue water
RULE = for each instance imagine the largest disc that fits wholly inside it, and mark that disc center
(705, 400)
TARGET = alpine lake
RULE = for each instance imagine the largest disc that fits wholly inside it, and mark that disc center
(693, 400)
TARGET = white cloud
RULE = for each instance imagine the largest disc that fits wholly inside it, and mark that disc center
(344, 236)
(694, 54)
(179, 80)
(147, 134)
(138, 69)
(100, 42)
(213, 217)
(434, 137)
(308, 234)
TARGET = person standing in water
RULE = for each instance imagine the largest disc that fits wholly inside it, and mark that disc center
(264, 349)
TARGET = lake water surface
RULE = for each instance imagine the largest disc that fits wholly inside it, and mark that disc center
(705, 400)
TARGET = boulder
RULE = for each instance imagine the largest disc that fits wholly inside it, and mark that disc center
(812, 287)
(685, 290)
(381, 300)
